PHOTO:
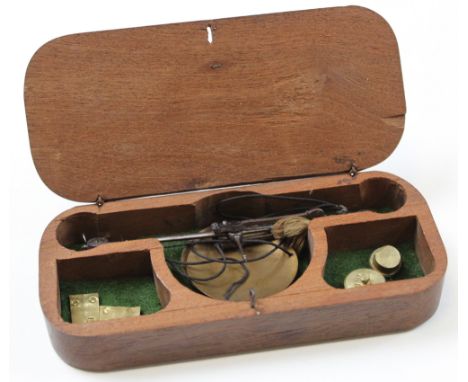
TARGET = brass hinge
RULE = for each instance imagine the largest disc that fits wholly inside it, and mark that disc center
(353, 170)
(100, 201)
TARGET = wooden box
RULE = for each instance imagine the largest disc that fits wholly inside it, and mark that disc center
(280, 104)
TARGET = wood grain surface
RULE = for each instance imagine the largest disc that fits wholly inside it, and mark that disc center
(193, 326)
(159, 109)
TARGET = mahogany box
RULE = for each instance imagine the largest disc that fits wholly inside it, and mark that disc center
(152, 126)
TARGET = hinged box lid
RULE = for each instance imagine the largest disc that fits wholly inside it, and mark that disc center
(161, 109)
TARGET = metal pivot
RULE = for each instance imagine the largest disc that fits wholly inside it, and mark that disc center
(253, 300)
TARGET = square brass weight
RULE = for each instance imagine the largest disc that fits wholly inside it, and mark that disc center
(84, 308)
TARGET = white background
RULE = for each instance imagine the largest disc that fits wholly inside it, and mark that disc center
(429, 41)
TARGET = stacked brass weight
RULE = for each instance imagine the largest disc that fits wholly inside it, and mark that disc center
(268, 275)
(386, 260)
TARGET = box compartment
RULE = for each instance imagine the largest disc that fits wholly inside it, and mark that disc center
(121, 279)
(350, 246)
(378, 194)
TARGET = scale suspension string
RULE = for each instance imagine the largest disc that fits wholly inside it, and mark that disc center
(281, 230)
